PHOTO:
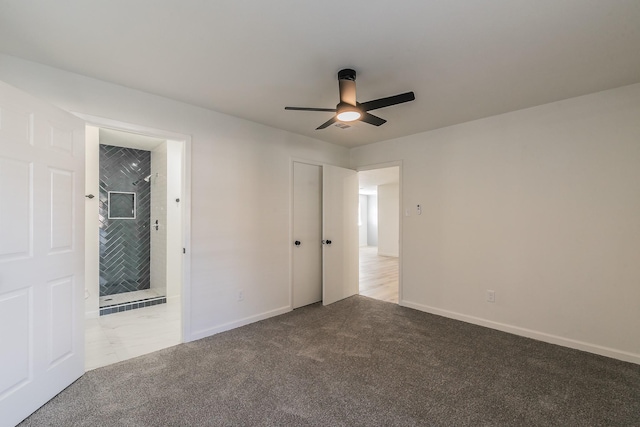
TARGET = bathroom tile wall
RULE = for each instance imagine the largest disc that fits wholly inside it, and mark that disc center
(124, 243)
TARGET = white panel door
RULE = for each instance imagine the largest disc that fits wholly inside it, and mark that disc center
(41, 252)
(307, 234)
(340, 233)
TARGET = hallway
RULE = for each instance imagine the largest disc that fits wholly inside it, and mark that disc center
(378, 275)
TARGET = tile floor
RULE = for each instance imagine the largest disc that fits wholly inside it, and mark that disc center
(121, 336)
(128, 297)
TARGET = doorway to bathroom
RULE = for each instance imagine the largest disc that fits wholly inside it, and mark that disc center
(135, 234)
(132, 214)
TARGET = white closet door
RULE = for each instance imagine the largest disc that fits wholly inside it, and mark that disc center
(340, 233)
(41, 252)
(307, 234)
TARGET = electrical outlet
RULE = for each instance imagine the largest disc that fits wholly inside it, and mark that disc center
(240, 295)
(491, 295)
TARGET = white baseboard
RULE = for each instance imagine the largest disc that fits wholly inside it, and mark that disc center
(203, 333)
(536, 335)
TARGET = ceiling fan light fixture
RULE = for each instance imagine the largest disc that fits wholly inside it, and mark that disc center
(349, 109)
(348, 114)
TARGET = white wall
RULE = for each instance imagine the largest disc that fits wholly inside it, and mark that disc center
(237, 167)
(92, 223)
(541, 205)
(158, 238)
(364, 211)
(388, 219)
(372, 220)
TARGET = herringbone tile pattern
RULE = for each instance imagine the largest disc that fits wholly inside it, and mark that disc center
(124, 243)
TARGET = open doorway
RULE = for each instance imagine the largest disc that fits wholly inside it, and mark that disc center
(135, 234)
(379, 233)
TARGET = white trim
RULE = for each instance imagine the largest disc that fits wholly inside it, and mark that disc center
(185, 295)
(203, 333)
(291, 189)
(383, 165)
(134, 210)
(106, 123)
(307, 161)
(529, 333)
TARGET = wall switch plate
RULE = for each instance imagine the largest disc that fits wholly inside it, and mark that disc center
(491, 295)
(240, 295)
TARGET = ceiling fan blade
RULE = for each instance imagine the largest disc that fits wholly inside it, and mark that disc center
(371, 119)
(328, 123)
(333, 110)
(386, 102)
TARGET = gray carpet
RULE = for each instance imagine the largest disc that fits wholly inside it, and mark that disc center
(356, 362)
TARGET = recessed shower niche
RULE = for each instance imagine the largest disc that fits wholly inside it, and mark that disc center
(127, 222)
(121, 205)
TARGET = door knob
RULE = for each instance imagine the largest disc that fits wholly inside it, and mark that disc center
(326, 242)
(297, 243)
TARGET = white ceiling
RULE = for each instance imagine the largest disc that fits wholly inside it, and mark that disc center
(463, 59)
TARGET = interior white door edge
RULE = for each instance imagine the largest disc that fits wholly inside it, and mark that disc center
(41, 252)
(340, 233)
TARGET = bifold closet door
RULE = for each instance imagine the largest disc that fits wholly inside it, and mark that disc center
(340, 233)
(307, 234)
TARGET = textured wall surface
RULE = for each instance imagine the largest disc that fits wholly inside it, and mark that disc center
(124, 243)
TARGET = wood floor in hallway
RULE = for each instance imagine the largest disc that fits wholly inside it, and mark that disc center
(378, 275)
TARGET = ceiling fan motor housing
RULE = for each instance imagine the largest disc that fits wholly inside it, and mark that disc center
(347, 74)
(347, 86)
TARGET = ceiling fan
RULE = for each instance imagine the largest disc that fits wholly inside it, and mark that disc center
(349, 110)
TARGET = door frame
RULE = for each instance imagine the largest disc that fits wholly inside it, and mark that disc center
(395, 163)
(185, 290)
